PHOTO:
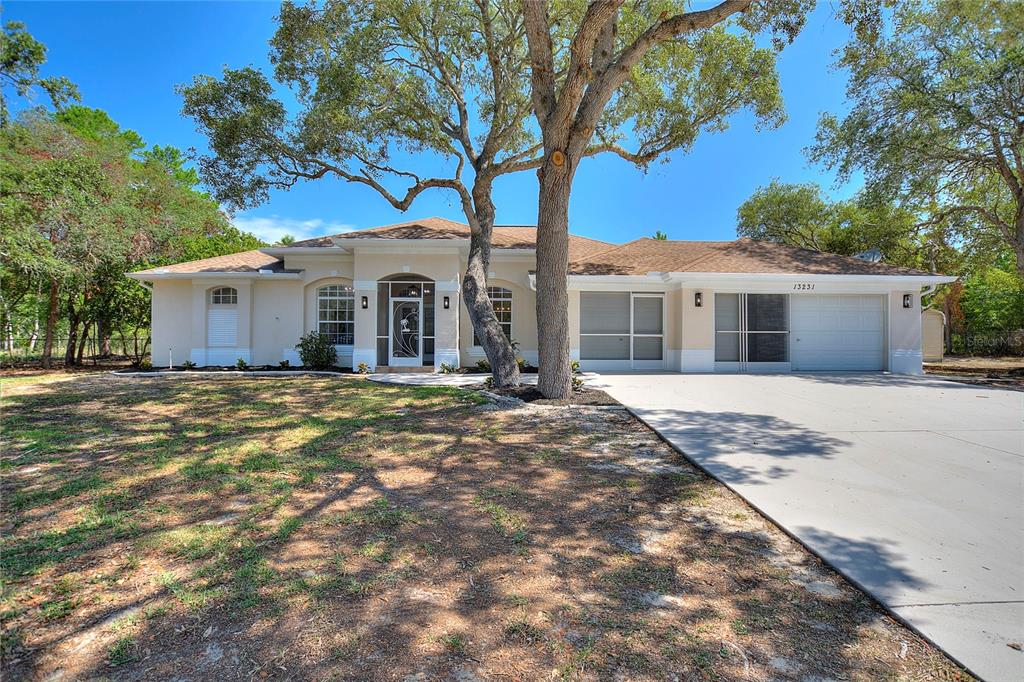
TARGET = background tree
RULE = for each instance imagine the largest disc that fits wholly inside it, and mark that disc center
(443, 77)
(660, 236)
(801, 215)
(656, 74)
(82, 201)
(21, 55)
(938, 101)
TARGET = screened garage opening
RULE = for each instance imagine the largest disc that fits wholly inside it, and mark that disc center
(841, 332)
(751, 332)
(622, 330)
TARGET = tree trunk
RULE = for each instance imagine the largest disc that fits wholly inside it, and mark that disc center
(1018, 245)
(555, 373)
(81, 343)
(51, 326)
(498, 348)
(103, 336)
(73, 321)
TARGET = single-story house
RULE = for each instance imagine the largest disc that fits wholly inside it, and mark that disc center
(390, 296)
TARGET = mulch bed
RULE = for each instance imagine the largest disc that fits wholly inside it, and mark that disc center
(530, 394)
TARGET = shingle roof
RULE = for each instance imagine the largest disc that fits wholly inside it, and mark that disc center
(586, 256)
(740, 256)
(503, 237)
(246, 261)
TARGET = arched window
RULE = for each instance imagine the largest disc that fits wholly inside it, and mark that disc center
(336, 313)
(224, 296)
(501, 301)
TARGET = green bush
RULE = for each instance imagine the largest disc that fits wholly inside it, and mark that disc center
(362, 368)
(316, 351)
(240, 363)
(187, 365)
(483, 365)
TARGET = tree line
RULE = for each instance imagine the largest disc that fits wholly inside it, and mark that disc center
(82, 202)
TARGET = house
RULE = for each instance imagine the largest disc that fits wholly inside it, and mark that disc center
(390, 296)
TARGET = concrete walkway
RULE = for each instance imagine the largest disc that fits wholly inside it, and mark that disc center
(912, 487)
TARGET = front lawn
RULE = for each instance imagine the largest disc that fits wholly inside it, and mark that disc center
(308, 528)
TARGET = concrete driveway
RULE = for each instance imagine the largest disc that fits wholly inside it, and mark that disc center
(912, 487)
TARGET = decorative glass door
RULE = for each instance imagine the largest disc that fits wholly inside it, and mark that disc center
(406, 332)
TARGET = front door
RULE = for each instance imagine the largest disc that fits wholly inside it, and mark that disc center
(406, 332)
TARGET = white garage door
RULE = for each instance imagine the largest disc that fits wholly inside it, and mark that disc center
(837, 332)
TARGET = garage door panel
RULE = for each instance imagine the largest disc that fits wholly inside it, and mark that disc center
(838, 332)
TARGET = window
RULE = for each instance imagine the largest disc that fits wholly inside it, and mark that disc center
(336, 310)
(224, 296)
(501, 301)
(619, 325)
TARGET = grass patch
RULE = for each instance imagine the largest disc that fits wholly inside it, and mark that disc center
(122, 651)
(35, 498)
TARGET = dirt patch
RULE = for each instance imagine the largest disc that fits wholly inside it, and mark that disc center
(581, 396)
(999, 372)
(340, 529)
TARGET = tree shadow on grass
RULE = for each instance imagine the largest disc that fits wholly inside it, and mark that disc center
(454, 540)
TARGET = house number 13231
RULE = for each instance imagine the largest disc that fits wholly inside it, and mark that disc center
(802, 287)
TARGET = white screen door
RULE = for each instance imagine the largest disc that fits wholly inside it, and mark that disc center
(406, 332)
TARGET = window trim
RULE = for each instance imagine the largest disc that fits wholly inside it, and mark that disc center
(348, 294)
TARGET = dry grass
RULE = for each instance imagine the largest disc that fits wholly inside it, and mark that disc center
(337, 529)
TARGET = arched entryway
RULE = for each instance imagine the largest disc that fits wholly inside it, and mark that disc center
(405, 320)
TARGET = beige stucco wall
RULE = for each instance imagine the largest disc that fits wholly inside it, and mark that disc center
(276, 321)
(172, 321)
(904, 333)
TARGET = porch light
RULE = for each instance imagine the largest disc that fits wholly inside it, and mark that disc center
(365, 302)
(698, 299)
(908, 301)
(447, 303)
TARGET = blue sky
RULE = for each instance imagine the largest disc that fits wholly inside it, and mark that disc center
(127, 58)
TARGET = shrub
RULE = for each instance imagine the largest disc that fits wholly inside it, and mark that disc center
(574, 367)
(483, 365)
(187, 365)
(448, 368)
(145, 364)
(284, 364)
(316, 351)
(363, 368)
(524, 366)
(240, 363)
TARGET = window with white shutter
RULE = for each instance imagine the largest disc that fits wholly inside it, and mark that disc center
(222, 317)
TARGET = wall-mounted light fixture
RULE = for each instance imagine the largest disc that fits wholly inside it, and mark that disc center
(447, 303)
(698, 299)
(908, 300)
(365, 303)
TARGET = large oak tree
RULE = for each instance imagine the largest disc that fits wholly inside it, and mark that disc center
(440, 78)
(638, 80)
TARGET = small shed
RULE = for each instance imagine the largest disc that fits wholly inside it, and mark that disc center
(933, 334)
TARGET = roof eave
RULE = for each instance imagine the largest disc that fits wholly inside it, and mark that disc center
(805, 277)
(147, 276)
